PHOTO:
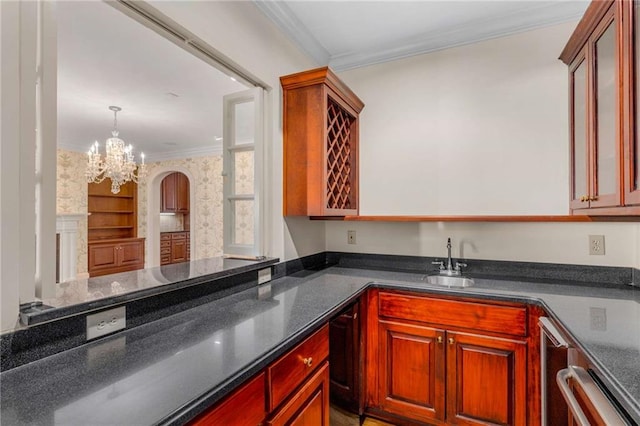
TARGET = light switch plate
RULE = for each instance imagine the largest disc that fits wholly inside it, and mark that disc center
(106, 322)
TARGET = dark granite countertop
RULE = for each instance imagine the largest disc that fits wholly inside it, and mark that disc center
(88, 294)
(169, 370)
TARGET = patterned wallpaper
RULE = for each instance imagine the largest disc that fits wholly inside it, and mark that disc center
(71, 196)
(206, 218)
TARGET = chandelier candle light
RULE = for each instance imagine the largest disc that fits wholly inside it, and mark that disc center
(118, 164)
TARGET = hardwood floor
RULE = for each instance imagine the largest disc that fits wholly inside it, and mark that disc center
(339, 417)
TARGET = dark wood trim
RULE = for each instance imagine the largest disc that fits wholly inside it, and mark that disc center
(627, 214)
(574, 198)
(468, 218)
(594, 13)
(631, 193)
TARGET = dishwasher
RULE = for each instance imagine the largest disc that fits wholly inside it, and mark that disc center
(570, 394)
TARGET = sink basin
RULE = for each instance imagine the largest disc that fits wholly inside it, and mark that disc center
(449, 281)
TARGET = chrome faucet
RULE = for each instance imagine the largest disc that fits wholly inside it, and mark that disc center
(449, 270)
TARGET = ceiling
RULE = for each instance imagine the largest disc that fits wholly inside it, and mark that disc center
(351, 34)
(171, 101)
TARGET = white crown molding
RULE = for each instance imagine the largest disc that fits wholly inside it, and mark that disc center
(208, 151)
(281, 15)
(538, 16)
(473, 32)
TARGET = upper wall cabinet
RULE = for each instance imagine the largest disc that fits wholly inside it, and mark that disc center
(602, 55)
(320, 127)
(174, 194)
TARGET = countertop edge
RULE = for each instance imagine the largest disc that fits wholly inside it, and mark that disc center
(31, 319)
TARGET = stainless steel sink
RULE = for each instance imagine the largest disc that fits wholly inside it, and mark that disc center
(449, 281)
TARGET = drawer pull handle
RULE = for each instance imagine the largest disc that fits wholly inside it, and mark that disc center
(451, 340)
(439, 339)
(307, 361)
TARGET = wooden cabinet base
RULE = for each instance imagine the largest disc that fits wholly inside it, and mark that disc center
(442, 361)
(248, 401)
(309, 406)
(344, 358)
(113, 256)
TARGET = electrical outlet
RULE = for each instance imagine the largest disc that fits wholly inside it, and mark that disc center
(264, 275)
(351, 237)
(598, 318)
(596, 244)
(106, 322)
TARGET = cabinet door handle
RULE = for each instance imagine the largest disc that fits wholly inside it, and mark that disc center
(439, 339)
(451, 340)
(307, 361)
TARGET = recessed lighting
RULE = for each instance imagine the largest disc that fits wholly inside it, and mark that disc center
(233, 79)
(218, 138)
(173, 95)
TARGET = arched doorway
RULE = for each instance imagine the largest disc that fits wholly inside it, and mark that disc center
(153, 207)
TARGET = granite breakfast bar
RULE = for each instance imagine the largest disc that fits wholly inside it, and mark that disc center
(170, 370)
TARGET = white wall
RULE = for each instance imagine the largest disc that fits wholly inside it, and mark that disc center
(479, 129)
(527, 242)
(241, 32)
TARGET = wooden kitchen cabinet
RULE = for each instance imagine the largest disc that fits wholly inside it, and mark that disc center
(602, 54)
(174, 247)
(293, 390)
(248, 402)
(434, 360)
(344, 358)
(112, 229)
(309, 406)
(321, 136)
(411, 371)
(174, 194)
(113, 256)
(486, 380)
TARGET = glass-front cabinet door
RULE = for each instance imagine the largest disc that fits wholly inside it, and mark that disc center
(595, 128)
(604, 190)
(579, 135)
(632, 139)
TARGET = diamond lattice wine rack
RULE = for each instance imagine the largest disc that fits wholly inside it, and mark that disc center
(320, 129)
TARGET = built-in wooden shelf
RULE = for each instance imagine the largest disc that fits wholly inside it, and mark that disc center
(111, 227)
(113, 211)
(111, 195)
(558, 218)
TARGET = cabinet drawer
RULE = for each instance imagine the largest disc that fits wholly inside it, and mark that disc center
(309, 406)
(165, 250)
(166, 243)
(479, 316)
(165, 237)
(287, 373)
(246, 403)
(178, 236)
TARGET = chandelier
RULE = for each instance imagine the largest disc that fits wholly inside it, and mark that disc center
(118, 163)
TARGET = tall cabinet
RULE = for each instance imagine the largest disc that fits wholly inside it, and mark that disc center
(320, 126)
(602, 55)
(113, 245)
